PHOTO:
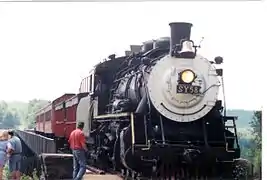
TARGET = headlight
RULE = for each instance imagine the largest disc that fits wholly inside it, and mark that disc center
(187, 76)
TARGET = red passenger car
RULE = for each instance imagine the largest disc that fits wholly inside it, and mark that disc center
(43, 118)
(58, 119)
(71, 107)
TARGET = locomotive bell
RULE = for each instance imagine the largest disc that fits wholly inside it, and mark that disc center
(187, 49)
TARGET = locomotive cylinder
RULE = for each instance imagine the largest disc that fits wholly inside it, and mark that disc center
(179, 31)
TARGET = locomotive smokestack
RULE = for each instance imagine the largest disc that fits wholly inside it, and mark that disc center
(179, 31)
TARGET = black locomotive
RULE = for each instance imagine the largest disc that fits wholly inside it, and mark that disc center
(154, 112)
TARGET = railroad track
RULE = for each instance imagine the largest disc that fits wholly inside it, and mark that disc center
(93, 173)
(59, 166)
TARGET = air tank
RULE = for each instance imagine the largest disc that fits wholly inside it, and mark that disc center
(163, 42)
(147, 46)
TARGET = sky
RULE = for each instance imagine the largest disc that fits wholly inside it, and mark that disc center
(47, 48)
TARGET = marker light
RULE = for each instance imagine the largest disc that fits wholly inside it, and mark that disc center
(187, 76)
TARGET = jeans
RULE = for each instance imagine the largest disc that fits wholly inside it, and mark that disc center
(79, 164)
(14, 162)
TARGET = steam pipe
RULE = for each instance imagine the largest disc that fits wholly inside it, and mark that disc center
(179, 31)
(142, 105)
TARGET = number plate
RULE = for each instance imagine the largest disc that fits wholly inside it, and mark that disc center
(187, 89)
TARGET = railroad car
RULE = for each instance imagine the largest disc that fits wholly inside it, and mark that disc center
(152, 113)
(57, 119)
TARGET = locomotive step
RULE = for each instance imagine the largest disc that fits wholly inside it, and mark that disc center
(226, 118)
(230, 137)
(230, 126)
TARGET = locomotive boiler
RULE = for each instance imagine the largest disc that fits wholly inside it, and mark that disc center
(155, 112)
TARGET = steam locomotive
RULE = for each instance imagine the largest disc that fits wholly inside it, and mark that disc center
(155, 112)
(152, 113)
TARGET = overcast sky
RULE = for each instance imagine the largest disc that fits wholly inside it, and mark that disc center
(47, 48)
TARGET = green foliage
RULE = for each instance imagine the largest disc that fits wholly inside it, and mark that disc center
(246, 145)
(23, 176)
(6, 171)
(33, 106)
(256, 128)
(251, 144)
(8, 118)
(256, 125)
(19, 114)
(33, 177)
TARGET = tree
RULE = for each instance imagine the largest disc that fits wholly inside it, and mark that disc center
(256, 125)
(33, 106)
(3, 109)
(8, 118)
(246, 145)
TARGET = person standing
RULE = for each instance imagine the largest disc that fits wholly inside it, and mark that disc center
(15, 150)
(3, 151)
(78, 147)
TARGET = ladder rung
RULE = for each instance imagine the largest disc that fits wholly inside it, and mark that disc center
(226, 161)
(230, 126)
(230, 149)
(232, 118)
(230, 137)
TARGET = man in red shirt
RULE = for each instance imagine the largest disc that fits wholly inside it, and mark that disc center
(78, 147)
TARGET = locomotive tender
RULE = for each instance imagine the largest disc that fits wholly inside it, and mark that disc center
(152, 113)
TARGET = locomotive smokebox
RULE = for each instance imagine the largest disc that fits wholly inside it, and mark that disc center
(179, 31)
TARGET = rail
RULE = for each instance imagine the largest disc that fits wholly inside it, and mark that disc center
(37, 143)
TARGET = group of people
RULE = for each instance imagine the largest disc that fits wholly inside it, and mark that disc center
(10, 153)
(11, 149)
